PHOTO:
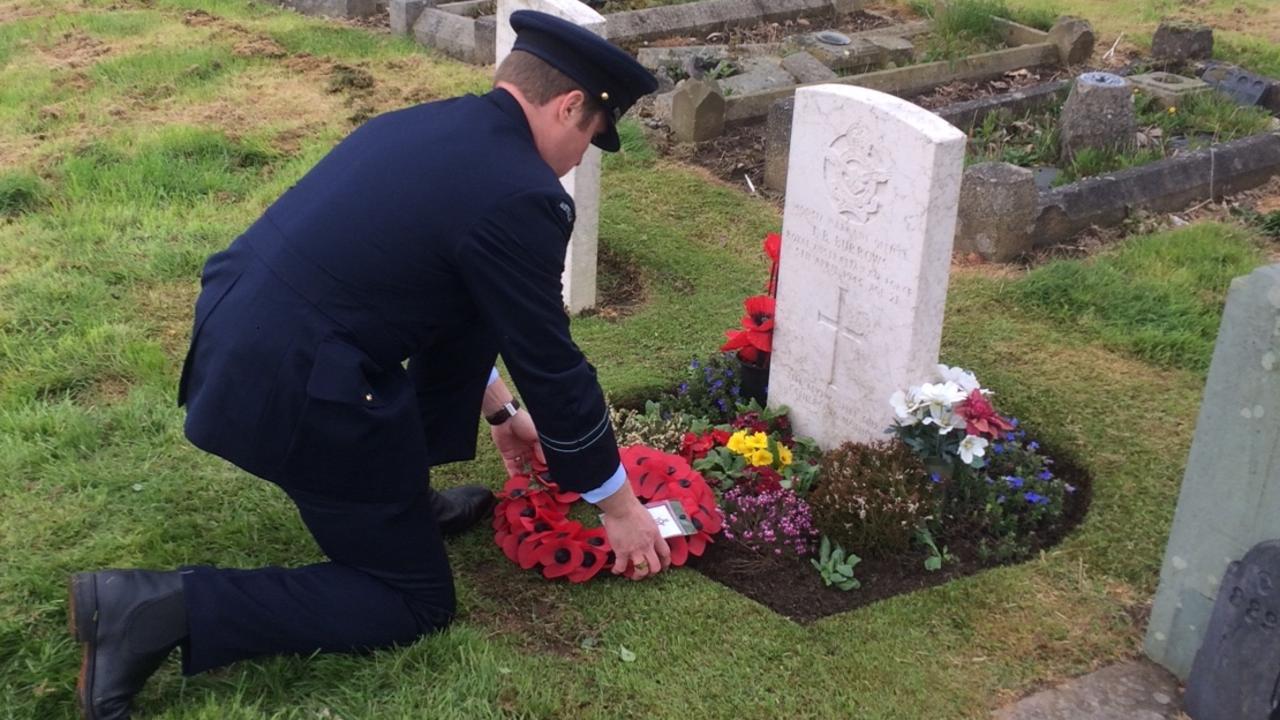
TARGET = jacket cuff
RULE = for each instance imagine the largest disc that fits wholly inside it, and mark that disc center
(610, 486)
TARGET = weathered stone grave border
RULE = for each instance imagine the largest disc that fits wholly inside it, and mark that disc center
(466, 30)
(1028, 48)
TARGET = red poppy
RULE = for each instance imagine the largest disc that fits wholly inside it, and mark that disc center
(559, 555)
(980, 417)
(679, 550)
(756, 335)
(773, 248)
(527, 550)
(595, 554)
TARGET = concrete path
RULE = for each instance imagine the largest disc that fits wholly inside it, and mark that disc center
(1135, 690)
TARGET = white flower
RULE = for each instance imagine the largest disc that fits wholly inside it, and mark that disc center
(898, 400)
(972, 447)
(944, 419)
(966, 380)
(940, 397)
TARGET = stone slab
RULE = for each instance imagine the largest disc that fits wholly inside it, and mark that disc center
(965, 115)
(1177, 41)
(1016, 34)
(1230, 497)
(866, 250)
(583, 182)
(757, 77)
(997, 207)
(1164, 186)
(697, 18)
(806, 68)
(403, 14)
(1244, 87)
(1134, 690)
(910, 80)
(1168, 89)
(459, 37)
(1235, 671)
(777, 144)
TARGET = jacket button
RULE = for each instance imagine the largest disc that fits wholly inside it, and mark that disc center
(368, 397)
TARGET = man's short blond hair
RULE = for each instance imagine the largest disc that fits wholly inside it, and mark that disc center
(541, 83)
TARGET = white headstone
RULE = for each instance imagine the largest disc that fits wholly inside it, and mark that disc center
(583, 182)
(872, 193)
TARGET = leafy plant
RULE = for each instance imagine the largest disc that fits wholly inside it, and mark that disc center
(835, 566)
(873, 497)
(936, 557)
(710, 389)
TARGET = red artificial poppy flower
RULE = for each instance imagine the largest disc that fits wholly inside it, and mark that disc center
(595, 554)
(527, 551)
(563, 497)
(679, 551)
(773, 246)
(516, 486)
(559, 555)
(980, 417)
(756, 336)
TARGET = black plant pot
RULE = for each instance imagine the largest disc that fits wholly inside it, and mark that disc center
(754, 382)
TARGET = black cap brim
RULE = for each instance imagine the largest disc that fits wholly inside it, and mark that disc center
(608, 140)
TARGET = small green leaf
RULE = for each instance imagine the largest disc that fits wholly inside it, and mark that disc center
(625, 654)
(588, 643)
(932, 563)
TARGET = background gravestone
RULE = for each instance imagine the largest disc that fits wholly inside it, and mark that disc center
(1178, 41)
(583, 182)
(1235, 672)
(1230, 497)
(998, 204)
(866, 250)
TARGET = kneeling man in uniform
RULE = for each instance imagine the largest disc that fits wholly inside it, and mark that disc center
(345, 344)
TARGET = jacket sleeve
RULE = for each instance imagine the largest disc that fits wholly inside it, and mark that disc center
(511, 263)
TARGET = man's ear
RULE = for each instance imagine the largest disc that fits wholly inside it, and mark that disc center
(571, 105)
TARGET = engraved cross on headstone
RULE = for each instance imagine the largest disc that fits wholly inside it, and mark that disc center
(840, 331)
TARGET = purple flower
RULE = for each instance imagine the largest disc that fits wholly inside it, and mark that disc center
(1014, 481)
(684, 388)
(1013, 421)
(1036, 499)
(1033, 446)
(694, 364)
(935, 478)
(1045, 474)
(998, 448)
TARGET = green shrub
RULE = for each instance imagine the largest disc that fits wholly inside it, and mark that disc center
(871, 498)
(20, 192)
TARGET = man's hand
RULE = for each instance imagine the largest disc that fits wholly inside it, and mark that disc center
(517, 442)
(633, 535)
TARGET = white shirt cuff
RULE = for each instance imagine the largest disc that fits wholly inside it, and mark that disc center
(610, 486)
(493, 376)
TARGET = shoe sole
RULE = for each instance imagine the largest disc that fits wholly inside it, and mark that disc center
(82, 617)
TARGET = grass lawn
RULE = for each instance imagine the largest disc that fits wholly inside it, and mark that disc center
(138, 138)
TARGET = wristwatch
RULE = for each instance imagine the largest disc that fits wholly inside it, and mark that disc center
(505, 413)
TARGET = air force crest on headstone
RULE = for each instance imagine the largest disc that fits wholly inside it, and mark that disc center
(853, 177)
(567, 209)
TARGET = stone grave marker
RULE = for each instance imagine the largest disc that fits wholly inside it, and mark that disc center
(867, 232)
(1235, 672)
(1098, 115)
(1230, 497)
(583, 182)
(1244, 87)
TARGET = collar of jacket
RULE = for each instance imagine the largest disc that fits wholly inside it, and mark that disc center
(508, 104)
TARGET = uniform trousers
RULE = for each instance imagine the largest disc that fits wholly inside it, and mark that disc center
(387, 582)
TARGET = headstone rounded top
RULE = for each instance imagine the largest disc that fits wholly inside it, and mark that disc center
(1102, 79)
(831, 37)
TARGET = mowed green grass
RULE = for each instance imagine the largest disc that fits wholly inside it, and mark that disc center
(128, 163)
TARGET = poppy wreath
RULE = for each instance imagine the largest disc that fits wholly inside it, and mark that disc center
(533, 529)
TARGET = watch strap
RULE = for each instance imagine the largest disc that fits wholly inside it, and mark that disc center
(505, 413)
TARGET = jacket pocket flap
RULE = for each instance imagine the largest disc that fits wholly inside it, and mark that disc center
(339, 375)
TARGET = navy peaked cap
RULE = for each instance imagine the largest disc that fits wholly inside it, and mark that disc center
(607, 73)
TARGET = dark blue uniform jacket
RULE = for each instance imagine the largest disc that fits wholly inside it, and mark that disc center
(434, 234)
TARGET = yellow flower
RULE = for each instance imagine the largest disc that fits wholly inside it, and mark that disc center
(759, 441)
(784, 454)
(738, 442)
(761, 458)
(1172, 109)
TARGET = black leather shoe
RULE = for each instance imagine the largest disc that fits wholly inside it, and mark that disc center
(458, 509)
(127, 622)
